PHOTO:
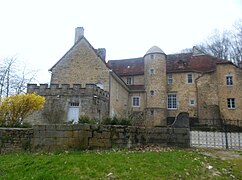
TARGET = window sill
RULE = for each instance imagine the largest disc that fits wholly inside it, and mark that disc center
(171, 109)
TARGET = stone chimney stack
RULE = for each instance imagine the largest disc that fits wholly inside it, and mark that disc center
(79, 32)
(102, 53)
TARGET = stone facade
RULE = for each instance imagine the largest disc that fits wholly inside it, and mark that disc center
(151, 89)
(76, 137)
(226, 91)
(120, 97)
(91, 101)
(81, 65)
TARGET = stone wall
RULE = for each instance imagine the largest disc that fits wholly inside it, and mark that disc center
(120, 97)
(185, 92)
(15, 139)
(76, 137)
(92, 101)
(207, 96)
(229, 91)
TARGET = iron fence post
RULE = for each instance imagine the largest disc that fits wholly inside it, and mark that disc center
(226, 135)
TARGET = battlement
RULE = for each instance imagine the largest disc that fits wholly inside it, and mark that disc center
(67, 89)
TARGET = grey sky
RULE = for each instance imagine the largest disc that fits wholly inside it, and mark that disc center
(40, 32)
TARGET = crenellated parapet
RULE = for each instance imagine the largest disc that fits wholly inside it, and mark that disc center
(67, 90)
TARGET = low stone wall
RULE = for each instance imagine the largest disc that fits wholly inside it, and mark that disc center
(15, 139)
(76, 137)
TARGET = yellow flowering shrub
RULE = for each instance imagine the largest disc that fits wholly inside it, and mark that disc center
(15, 108)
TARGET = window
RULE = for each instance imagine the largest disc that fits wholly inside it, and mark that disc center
(152, 56)
(229, 80)
(231, 103)
(74, 104)
(152, 112)
(189, 78)
(135, 101)
(169, 79)
(129, 80)
(152, 71)
(172, 101)
(192, 102)
(152, 93)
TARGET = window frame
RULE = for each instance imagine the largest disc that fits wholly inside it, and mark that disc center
(129, 80)
(136, 101)
(74, 104)
(172, 103)
(190, 78)
(169, 78)
(190, 100)
(152, 112)
(152, 93)
(229, 80)
(231, 104)
(152, 71)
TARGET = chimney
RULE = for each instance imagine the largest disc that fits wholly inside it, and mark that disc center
(102, 53)
(197, 52)
(79, 32)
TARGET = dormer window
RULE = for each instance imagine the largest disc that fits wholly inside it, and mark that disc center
(129, 80)
(181, 64)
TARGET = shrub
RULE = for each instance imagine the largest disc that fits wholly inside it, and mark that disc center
(116, 121)
(106, 120)
(15, 108)
(125, 121)
(84, 119)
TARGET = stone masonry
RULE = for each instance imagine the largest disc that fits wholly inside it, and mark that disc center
(85, 136)
(92, 101)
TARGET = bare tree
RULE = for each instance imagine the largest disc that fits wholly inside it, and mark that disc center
(218, 44)
(237, 41)
(225, 45)
(14, 77)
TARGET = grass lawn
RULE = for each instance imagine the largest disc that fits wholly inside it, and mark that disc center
(156, 163)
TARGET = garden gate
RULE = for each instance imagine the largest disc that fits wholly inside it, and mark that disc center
(216, 133)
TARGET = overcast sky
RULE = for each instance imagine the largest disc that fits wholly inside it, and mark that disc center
(40, 32)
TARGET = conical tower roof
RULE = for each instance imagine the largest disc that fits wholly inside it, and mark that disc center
(155, 49)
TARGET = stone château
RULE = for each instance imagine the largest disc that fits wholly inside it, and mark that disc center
(151, 88)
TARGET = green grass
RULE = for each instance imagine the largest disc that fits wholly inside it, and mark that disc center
(165, 164)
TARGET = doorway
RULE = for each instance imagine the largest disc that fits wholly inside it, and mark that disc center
(73, 112)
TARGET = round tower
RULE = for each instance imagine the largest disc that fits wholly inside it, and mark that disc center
(155, 86)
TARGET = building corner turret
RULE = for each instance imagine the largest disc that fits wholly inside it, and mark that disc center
(155, 87)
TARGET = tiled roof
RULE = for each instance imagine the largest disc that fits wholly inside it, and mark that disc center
(187, 62)
(136, 87)
(183, 62)
(126, 67)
